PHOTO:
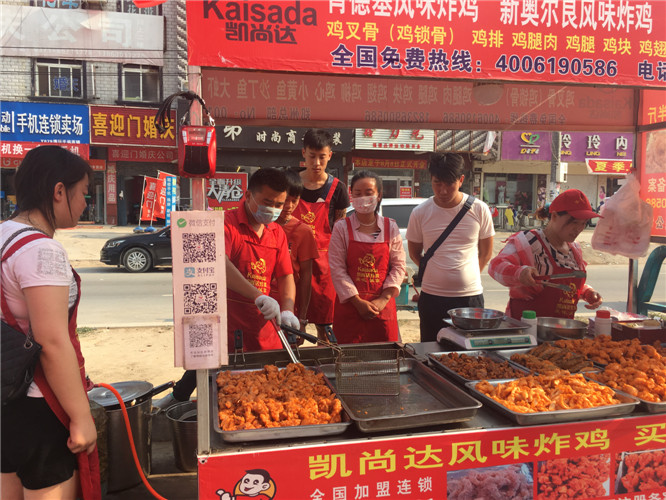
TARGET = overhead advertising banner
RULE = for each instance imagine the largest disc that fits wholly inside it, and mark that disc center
(119, 125)
(576, 146)
(232, 95)
(395, 139)
(225, 191)
(96, 35)
(282, 138)
(582, 41)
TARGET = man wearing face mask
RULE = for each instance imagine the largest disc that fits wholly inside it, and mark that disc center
(258, 248)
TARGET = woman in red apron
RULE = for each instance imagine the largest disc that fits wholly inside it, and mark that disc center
(48, 435)
(551, 251)
(368, 266)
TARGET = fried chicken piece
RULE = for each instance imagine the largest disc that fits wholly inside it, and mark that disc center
(572, 478)
(478, 367)
(644, 471)
(505, 483)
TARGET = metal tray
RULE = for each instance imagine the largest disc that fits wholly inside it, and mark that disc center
(508, 324)
(507, 353)
(648, 406)
(441, 367)
(627, 405)
(267, 434)
(426, 398)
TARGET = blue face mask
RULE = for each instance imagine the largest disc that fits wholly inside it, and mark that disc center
(265, 215)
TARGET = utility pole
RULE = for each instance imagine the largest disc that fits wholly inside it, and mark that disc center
(555, 167)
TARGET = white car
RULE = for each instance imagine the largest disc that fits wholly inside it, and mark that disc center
(399, 209)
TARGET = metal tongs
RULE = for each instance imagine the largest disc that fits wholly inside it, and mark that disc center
(544, 280)
(283, 338)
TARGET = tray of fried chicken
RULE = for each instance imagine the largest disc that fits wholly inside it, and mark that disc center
(629, 367)
(554, 397)
(275, 403)
(641, 471)
(547, 358)
(466, 366)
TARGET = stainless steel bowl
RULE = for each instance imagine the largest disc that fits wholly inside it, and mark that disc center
(552, 328)
(476, 318)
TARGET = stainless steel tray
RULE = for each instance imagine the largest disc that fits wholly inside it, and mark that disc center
(508, 324)
(439, 366)
(648, 406)
(507, 353)
(627, 405)
(426, 398)
(267, 434)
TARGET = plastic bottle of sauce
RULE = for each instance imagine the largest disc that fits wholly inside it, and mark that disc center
(602, 323)
(530, 318)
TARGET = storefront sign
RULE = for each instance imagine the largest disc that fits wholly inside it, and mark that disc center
(405, 192)
(582, 42)
(606, 167)
(111, 185)
(434, 466)
(653, 179)
(395, 139)
(32, 122)
(426, 103)
(138, 154)
(225, 191)
(274, 138)
(14, 149)
(576, 146)
(97, 165)
(653, 107)
(389, 163)
(96, 35)
(116, 125)
(6, 162)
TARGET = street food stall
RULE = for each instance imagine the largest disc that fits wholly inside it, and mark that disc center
(458, 65)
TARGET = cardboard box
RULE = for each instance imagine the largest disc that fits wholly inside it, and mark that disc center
(647, 332)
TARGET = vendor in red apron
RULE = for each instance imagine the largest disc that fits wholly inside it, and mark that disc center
(324, 201)
(368, 265)
(258, 247)
(545, 252)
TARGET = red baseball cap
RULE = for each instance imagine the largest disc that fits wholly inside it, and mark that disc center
(575, 203)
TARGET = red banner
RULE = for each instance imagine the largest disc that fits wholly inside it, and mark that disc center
(16, 149)
(389, 163)
(225, 191)
(116, 125)
(653, 178)
(151, 189)
(423, 103)
(607, 42)
(653, 107)
(111, 184)
(425, 466)
(606, 167)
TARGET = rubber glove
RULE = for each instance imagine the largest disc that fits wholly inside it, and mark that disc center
(290, 320)
(268, 306)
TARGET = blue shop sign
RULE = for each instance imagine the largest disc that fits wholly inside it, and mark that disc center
(44, 122)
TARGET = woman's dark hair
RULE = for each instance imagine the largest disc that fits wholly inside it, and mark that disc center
(367, 174)
(447, 167)
(271, 177)
(39, 172)
(294, 182)
(544, 212)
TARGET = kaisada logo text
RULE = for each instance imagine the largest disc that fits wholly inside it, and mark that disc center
(529, 144)
(279, 12)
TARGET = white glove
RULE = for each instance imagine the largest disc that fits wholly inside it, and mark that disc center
(268, 306)
(290, 320)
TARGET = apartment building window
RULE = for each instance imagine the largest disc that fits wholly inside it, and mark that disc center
(140, 83)
(130, 7)
(59, 78)
(59, 4)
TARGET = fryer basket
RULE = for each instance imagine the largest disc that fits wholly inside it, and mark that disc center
(371, 372)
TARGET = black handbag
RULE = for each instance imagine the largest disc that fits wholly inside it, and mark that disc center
(20, 352)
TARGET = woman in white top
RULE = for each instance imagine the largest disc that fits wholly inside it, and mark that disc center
(48, 435)
(367, 262)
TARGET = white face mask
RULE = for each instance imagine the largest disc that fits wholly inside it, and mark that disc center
(365, 204)
(265, 215)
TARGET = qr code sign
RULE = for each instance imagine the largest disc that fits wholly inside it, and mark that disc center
(198, 247)
(200, 298)
(200, 335)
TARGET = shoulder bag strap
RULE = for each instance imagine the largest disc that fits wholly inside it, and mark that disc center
(433, 248)
(9, 317)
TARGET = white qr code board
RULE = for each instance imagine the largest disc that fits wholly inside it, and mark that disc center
(199, 289)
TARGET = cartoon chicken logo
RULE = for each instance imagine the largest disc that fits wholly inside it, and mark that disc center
(368, 260)
(308, 217)
(258, 266)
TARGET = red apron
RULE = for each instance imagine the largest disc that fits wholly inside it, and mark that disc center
(89, 477)
(315, 215)
(552, 302)
(368, 266)
(256, 263)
